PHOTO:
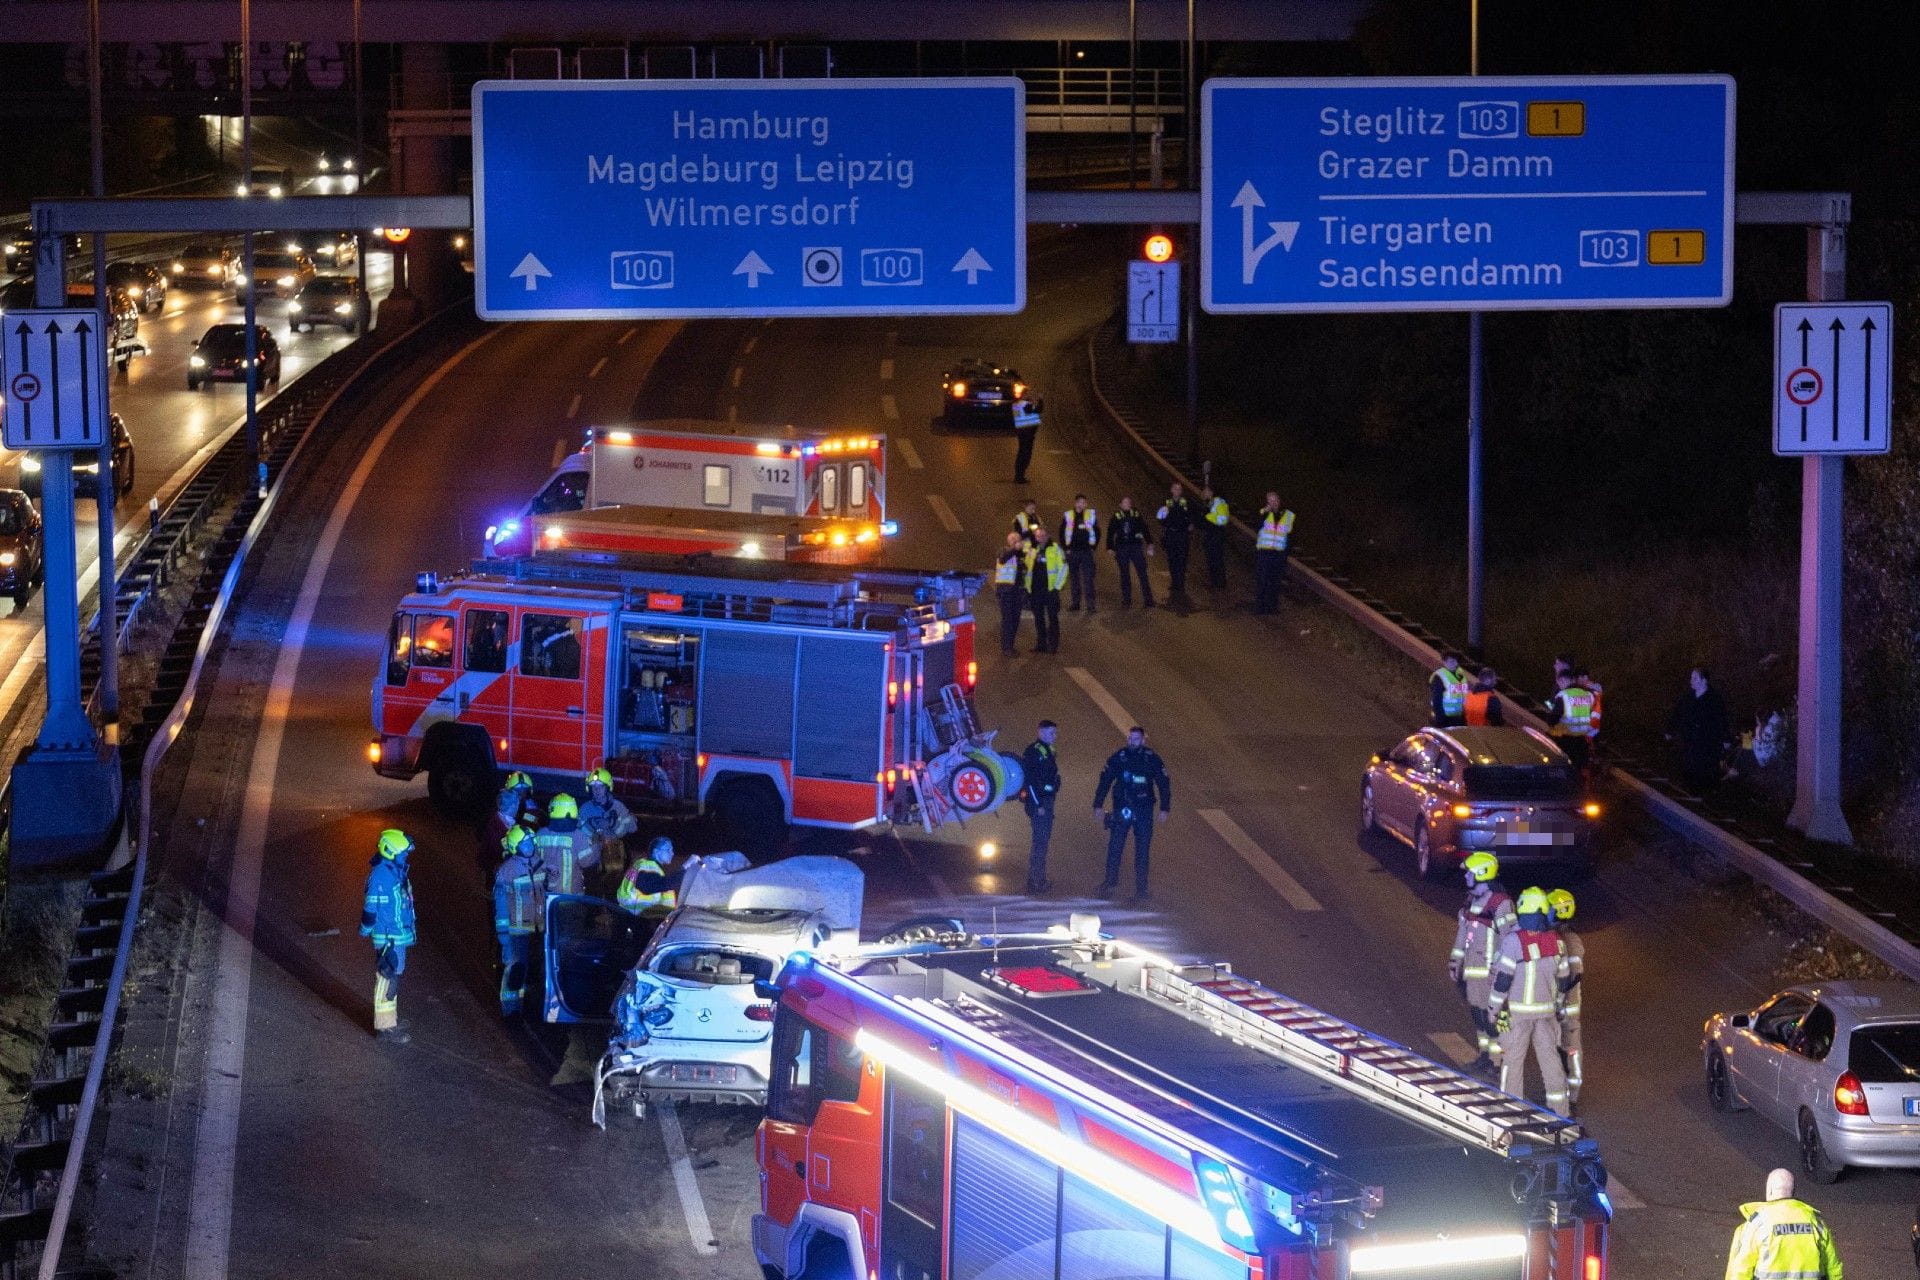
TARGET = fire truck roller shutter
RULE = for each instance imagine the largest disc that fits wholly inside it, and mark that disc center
(838, 721)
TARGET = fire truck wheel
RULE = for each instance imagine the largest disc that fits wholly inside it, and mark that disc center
(750, 814)
(973, 787)
(461, 784)
(826, 1260)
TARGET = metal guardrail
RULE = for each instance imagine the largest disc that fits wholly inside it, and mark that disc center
(1857, 920)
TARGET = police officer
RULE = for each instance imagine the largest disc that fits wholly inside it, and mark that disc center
(519, 912)
(1079, 535)
(1007, 591)
(1041, 763)
(568, 849)
(1782, 1238)
(1569, 711)
(1213, 536)
(1560, 903)
(1270, 537)
(1527, 978)
(609, 819)
(649, 886)
(1046, 573)
(1176, 516)
(386, 917)
(1026, 426)
(1136, 776)
(1485, 917)
(1447, 692)
(1131, 544)
(1027, 519)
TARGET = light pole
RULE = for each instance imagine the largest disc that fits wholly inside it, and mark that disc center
(1133, 90)
(360, 159)
(1476, 377)
(106, 492)
(251, 286)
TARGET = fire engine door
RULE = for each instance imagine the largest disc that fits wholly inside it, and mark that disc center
(484, 695)
(419, 686)
(915, 1181)
(559, 690)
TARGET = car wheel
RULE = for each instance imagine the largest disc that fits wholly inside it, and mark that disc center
(1369, 816)
(751, 815)
(193, 384)
(461, 787)
(1813, 1154)
(1425, 856)
(1719, 1084)
(22, 592)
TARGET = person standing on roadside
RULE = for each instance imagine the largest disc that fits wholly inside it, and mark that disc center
(1131, 544)
(1273, 529)
(1700, 727)
(387, 919)
(1046, 573)
(1483, 703)
(1079, 535)
(1782, 1237)
(1026, 520)
(1176, 534)
(1026, 426)
(1213, 536)
(1447, 692)
(1561, 905)
(519, 912)
(1041, 763)
(1007, 591)
(1136, 776)
(1568, 713)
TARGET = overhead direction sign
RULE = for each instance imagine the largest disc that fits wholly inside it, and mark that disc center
(1467, 194)
(1153, 301)
(54, 371)
(648, 198)
(1832, 377)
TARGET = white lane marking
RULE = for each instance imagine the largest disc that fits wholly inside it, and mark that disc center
(692, 1207)
(623, 337)
(216, 1139)
(573, 405)
(1259, 859)
(890, 409)
(1621, 1197)
(948, 521)
(1455, 1046)
(738, 371)
(911, 454)
(598, 365)
(733, 413)
(751, 343)
(886, 370)
(26, 666)
(1109, 705)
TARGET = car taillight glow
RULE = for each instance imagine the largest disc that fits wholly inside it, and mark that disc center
(373, 751)
(700, 761)
(973, 674)
(959, 390)
(1463, 811)
(1595, 1268)
(1849, 1099)
(1591, 808)
(893, 693)
(759, 1013)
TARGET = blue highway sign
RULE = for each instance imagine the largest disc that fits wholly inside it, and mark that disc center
(1467, 194)
(646, 198)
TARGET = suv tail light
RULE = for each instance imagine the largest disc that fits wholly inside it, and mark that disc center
(1849, 1099)
(1463, 811)
(759, 1013)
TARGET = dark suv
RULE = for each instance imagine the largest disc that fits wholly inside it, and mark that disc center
(981, 391)
(221, 356)
(334, 300)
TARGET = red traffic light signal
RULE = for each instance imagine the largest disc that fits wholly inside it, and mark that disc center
(1158, 248)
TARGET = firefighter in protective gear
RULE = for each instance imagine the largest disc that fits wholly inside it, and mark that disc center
(387, 918)
(566, 847)
(1782, 1238)
(1569, 718)
(1007, 591)
(1136, 776)
(643, 889)
(1046, 573)
(1214, 518)
(1529, 973)
(519, 912)
(1270, 538)
(609, 819)
(1560, 904)
(513, 807)
(1485, 917)
(1079, 536)
(1447, 692)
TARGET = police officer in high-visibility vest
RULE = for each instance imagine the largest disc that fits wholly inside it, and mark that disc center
(1079, 536)
(644, 889)
(1027, 519)
(1569, 712)
(1007, 591)
(1782, 1238)
(1214, 518)
(568, 849)
(1272, 532)
(387, 918)
(1560, 903)
(1528, 974)
(1046, 573)
(1485, 917)
(1447, 692)
(519, 912)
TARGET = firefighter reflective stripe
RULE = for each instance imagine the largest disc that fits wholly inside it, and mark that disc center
(1453, 691)
(1576, 967)
(1576, 712)
(1217, 512)
(1782, 1240)
(1527, 974)
(1007, 572)
(1476, 940)
(1275, 528)
(386, 1002)
(629, 894)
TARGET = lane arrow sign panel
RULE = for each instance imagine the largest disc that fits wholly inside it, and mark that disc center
(1832, 377)
(53, 368)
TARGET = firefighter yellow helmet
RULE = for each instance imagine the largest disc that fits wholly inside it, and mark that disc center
(600, 776)
(563, 806)
(1481, 866)
(517, 837)
(1531, 902)
(518, 781)
(1560, 902)
(394, 843)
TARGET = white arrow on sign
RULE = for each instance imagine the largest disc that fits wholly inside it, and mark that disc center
(753, 266)
(532, 270)
(973, 264)
(1250, 254)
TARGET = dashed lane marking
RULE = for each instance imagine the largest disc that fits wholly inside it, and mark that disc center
(752, 342)
(1109, 705)
(573, 405)
(733, 413)
(739, 371)
(1259, 859)
(598, 365)
(911, 454)
(625, 336)
(886, 370)
(217, 1136)
(948, 521)
(692, 1207)
(1455, 1046)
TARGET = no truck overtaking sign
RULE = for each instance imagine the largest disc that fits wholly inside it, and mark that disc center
(1832, 377)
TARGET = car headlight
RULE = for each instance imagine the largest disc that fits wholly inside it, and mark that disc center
(135, 292)
(294, 306)
(324, 165)
(274, 193)
(240, 190)
(29, 463)
(238, 278)
(213, 271)
(347, 165)
(343, 309)
(285, 282)
(179, 268)
(196, 362)
(6, 558)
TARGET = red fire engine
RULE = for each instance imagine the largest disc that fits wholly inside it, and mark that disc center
(769, 693)
(1067, 1105)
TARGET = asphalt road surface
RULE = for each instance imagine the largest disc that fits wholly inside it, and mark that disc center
(284, 1131)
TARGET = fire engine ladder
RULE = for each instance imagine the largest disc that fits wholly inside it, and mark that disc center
(1374, 1067)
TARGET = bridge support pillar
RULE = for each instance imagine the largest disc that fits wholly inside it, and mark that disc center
(427, 263)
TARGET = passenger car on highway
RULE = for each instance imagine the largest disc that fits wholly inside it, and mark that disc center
(86, 466)
(334, 300)
(18, 252)
(1836, 1064)
(979, 390)
(22, 555)
(141, 283)
(1500, 788)
(221, 356)
(207, 266)
(282, 271)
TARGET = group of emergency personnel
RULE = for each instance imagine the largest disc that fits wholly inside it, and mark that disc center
(1572, 713)
(1036, 564)
(1134, 776)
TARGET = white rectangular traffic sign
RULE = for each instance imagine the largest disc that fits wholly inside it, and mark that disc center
(1832, 377)
(1153, 301)
(54, 370)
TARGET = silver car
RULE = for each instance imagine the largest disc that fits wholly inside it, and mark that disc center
(1836, 1064)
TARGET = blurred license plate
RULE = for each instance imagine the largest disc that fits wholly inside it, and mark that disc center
(1913, 1106)
(697, 1073)
(1529, 837)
